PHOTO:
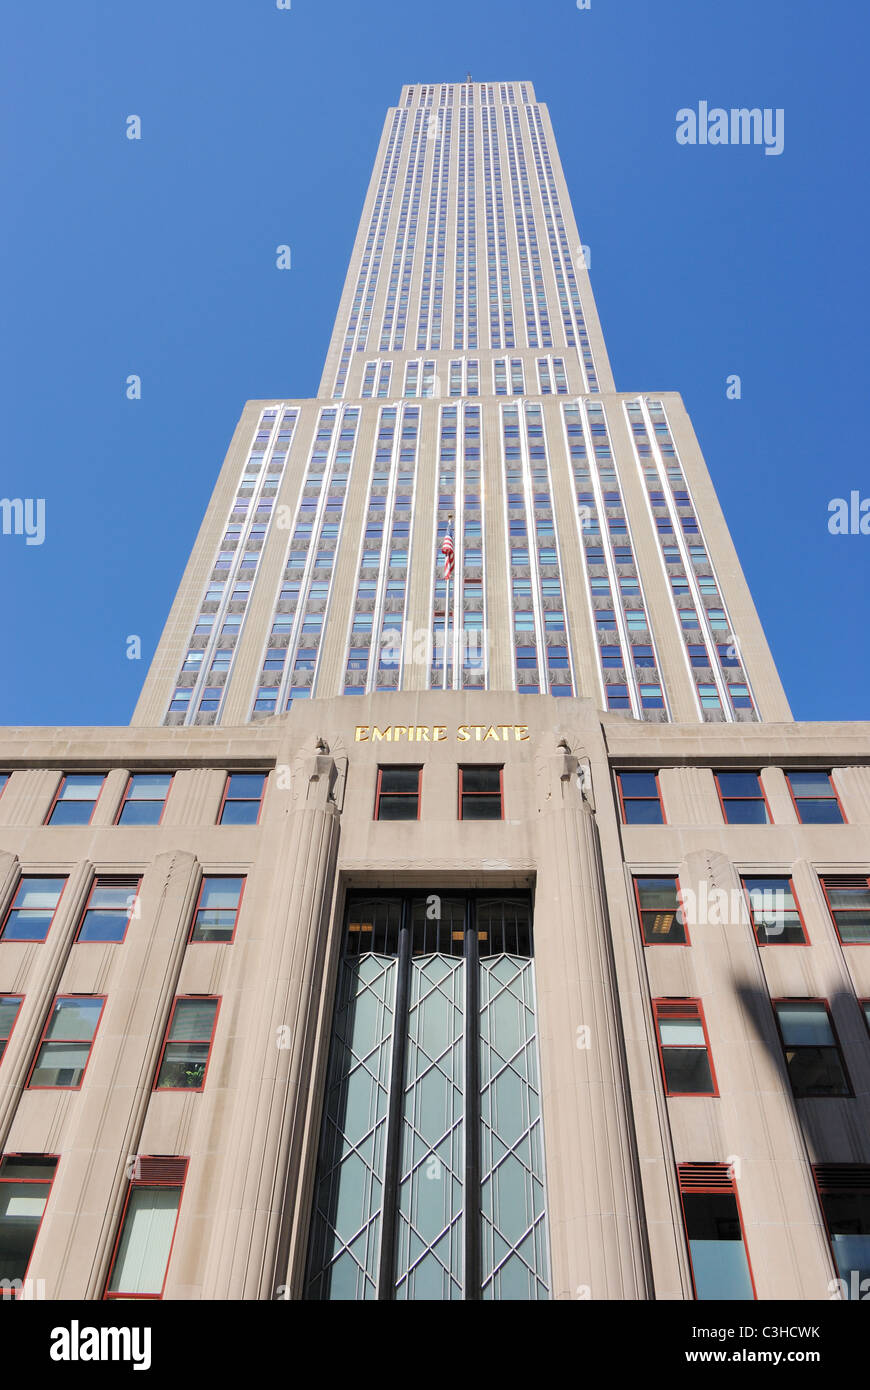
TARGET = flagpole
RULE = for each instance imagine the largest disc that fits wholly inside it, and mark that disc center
(446, 619)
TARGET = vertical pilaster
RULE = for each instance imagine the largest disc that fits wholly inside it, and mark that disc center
(257, 1237)
(596, 1229)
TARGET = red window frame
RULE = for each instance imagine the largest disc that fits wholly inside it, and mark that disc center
(205, 878)
(788, 879)
(226, 797)
(835, 796)
(180, 999)
(622, 799)
(702, 1178)
(762, 796)
(482, 767)
(399, 767)
(50, 1181)
(163, 1170)
(4, 1042)
(806, 999)
(640, 911)
(60, 787)
(4, 781)
(850, 880)
(42, 1039)
(125, 798)
(103, 880)
(669, 1007)
(37, 940)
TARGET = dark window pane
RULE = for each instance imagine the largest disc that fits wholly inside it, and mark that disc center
(246, 784)
(745, 812)
(739, 784)
(240, 813)
(72, 813)
(399, 779)
(687, 1071)
(638, 784)
(643, 813)
(810, 783)
(481, 808)
(854, 927)
(141, 813)
(819, 812)
(481, 779)
(397, 808)
(103, 926)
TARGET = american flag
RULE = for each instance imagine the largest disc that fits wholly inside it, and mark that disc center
(447, 550)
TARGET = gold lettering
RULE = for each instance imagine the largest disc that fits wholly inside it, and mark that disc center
(377, 735)
(462, 733)
(478, 730)
(490, 733)
(398, 731)
(504, 729)
(422, 733)
(362, 733)
(439, 733)
(521, 733)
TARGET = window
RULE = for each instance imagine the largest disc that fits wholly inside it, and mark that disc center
(812, 1053)
(4, 778)
(25, 1182)
(9, 1006)
(33, 908)
(75, 800)
(141, 1258)
(815, 799)
(186, 1047)
(398, 793)
(144, 799)
(640, 798)
(684, 1048)
(774, 911)
(243, 798)
(660, 911)
(848, 899)
(433, 1072)
(217, 909)
(711, 1215)
(66, 1042)
(741, 798)
(480, 793)
(111, 904)
(844, 1196)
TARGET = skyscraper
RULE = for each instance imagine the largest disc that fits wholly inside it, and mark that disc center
(466, 377)
(539, 1036)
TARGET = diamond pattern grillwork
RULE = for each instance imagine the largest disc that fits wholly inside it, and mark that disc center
(345, 1243)
(515, 1257)
(430, 1231)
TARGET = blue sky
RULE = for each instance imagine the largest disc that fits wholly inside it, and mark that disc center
(259, 127)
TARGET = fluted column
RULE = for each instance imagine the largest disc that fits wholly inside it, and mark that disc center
(252, 1247)
(596, 1230)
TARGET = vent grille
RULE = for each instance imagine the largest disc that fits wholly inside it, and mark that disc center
(162, 1170)
(702, 1177)
(675, 1008)
(842, 1177)
(835, 881)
